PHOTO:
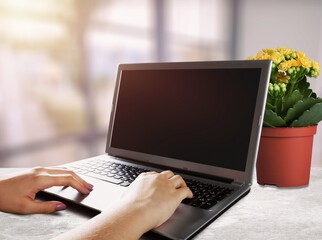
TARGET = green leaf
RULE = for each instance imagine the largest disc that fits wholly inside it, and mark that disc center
(307, 93)
(297, 110)
(270, 100)
(304, 87)
(310, 117)
(269, 106)
(271, 119)
(289, 101)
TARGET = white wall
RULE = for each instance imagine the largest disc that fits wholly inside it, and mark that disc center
(292, 23)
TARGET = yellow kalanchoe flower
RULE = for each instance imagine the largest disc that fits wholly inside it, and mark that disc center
(282, 77)
(284, 66)
(305, 61)
(316, 66)
(289, 64)
(263, 56)
(268, 51)
(277, 57)
(285, 51)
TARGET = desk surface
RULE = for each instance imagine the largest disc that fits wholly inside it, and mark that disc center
(265, 213)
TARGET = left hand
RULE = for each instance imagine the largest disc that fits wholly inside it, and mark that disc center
(18, 192)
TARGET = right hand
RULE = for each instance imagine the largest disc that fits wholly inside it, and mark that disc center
(147, 203)
(156, 196)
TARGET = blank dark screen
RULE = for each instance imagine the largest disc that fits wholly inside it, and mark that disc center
(198, 115)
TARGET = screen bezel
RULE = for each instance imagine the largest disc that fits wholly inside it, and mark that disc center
(238, 176)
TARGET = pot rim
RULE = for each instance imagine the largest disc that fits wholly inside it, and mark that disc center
(289, 131)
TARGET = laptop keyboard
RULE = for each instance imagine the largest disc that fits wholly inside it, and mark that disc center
(116, 173)
(205, 195)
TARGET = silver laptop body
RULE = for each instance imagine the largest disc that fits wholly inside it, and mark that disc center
(202, 120)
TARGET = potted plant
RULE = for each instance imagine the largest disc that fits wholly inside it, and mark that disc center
(292, 113)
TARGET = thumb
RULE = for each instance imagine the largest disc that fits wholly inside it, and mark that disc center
(44, 207)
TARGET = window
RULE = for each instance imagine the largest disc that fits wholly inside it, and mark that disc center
(58, 65)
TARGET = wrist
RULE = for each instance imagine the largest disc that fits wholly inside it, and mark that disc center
(135, 218)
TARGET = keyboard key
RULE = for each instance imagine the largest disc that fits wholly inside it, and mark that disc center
(125, 184)
(196, 203)
(104, 178)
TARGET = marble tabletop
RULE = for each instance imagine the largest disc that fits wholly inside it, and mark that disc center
(265, 213)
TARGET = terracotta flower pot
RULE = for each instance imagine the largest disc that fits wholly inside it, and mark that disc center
(284, 156)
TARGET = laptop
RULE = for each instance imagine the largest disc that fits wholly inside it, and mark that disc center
(201, 120)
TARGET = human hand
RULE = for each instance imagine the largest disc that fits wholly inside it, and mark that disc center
(18, 192)
(156, 196)
(147, 203)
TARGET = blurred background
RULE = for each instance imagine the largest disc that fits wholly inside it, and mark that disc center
(58, 60)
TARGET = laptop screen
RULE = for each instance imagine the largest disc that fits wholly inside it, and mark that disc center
(202, 116)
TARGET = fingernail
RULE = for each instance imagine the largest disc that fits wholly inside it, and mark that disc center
(90, 186)
(60, 207)
(86, 191)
